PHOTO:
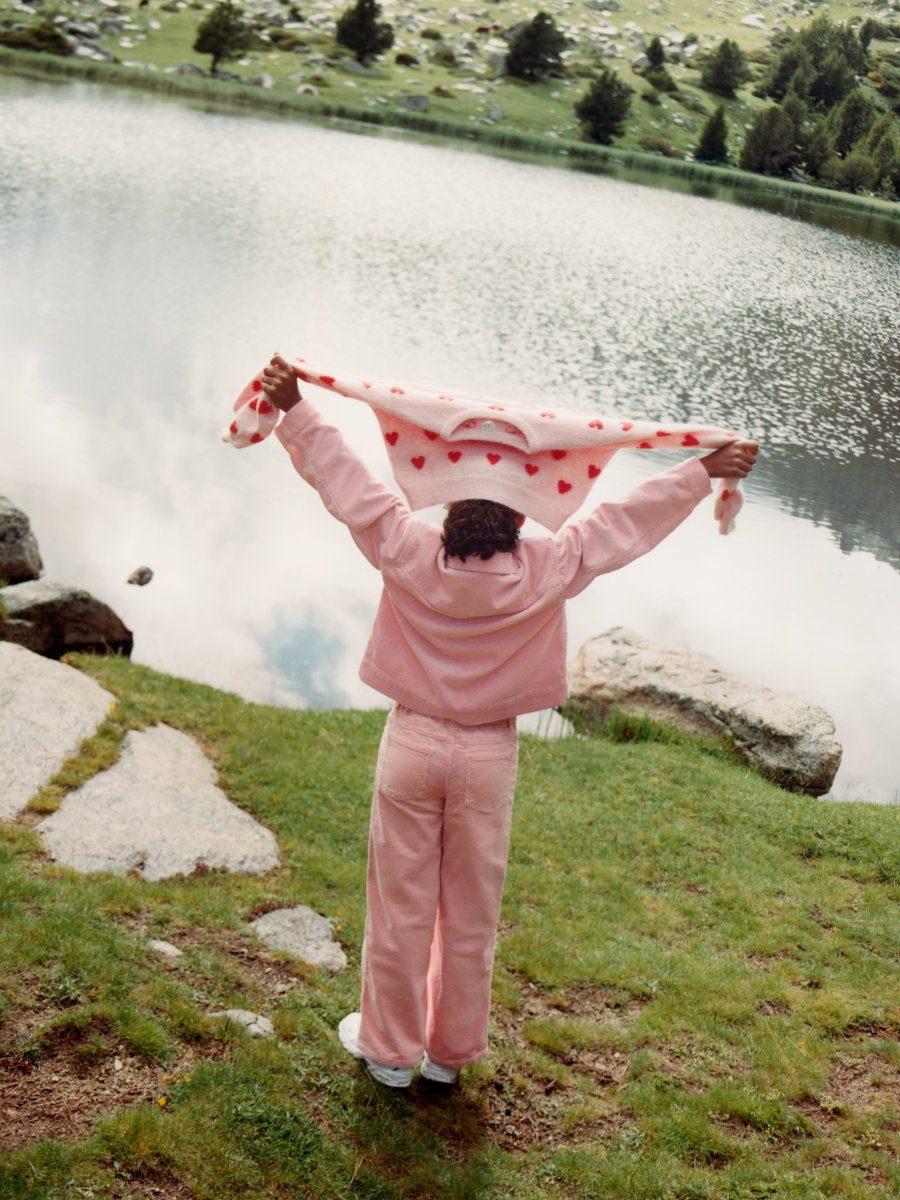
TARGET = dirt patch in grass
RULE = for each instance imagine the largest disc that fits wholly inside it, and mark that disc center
(57, 1083)
(774, 1008)
(867, 1084)
(269, 974)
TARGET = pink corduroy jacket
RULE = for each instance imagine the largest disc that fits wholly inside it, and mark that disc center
(479, 640)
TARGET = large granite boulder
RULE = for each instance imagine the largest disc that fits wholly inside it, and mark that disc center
(20, 558)
(46, 711)
(158, 811)
(52, 619)
(787, 740)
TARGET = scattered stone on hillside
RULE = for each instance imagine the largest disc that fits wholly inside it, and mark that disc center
(189, 68)
(158, 811)
(302, 932)
(20, 558)
(413, 103)
(755, 21)
(140, 576)
(53, 619)
(166, 949)
(256, 1025)
(788, 740)
(264, 81)
(46, 712)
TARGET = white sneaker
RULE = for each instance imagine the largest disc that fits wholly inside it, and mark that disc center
(348, 1033)
(436, 1073)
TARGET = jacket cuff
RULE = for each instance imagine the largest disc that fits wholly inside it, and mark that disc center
(294, 422)
(696, 475)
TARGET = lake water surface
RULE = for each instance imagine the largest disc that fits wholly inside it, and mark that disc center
(153, 256)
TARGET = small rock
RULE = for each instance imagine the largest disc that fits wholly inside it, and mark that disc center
(256, 1025)
(413, 103)
(303, 932)
(165, 948)
(141, 576)
(189, 68)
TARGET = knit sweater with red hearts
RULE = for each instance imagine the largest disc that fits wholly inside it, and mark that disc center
(478, 640)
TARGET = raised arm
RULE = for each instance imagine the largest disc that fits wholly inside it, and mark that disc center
(377, 518)
(618, 532)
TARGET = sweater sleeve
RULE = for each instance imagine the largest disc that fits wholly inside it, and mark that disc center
(618, 532)
(377, 518)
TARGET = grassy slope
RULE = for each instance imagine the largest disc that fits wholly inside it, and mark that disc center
(692, 991)
(541, 108)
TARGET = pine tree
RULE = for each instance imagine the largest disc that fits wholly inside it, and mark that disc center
(819, 148)
(852, 118)
(770, 147)
(713, 144)
(223, 33)
(360, 30)
(603, 108)
(536, 49)
(834, 80)
(656, 54)
(725, 69)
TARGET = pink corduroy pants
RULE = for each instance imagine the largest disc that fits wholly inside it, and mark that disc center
(438, 846)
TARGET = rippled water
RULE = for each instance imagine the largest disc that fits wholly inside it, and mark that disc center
(153, 256)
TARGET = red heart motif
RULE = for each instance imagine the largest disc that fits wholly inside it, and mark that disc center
(689, 440)
(454, 455)
(626, 425)
(257, 385)
(395, 391)
(531, 468)
(257, 437)
(391, 438)
(725, 493)
(431, 436)
(662, 433)
(418, 462)
(646, 446)
(593, 471)
(564, 487)
(328, 380)
(303, 375)
(493, 459)
(595, 424)
(264, 406)
(558, 454)
(253, 404)
(366, 383)
(233, 427)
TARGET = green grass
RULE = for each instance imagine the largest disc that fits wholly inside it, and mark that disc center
(693, 986)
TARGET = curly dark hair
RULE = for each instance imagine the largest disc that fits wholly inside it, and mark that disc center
(479, 527)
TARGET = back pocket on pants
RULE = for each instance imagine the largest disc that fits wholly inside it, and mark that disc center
(490, 778)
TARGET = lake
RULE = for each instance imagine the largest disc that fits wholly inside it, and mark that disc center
(154, 255)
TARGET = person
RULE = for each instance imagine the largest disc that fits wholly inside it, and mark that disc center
(469, 633)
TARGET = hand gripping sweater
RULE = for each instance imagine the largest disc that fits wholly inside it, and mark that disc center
(450, 445)
(478, 640)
